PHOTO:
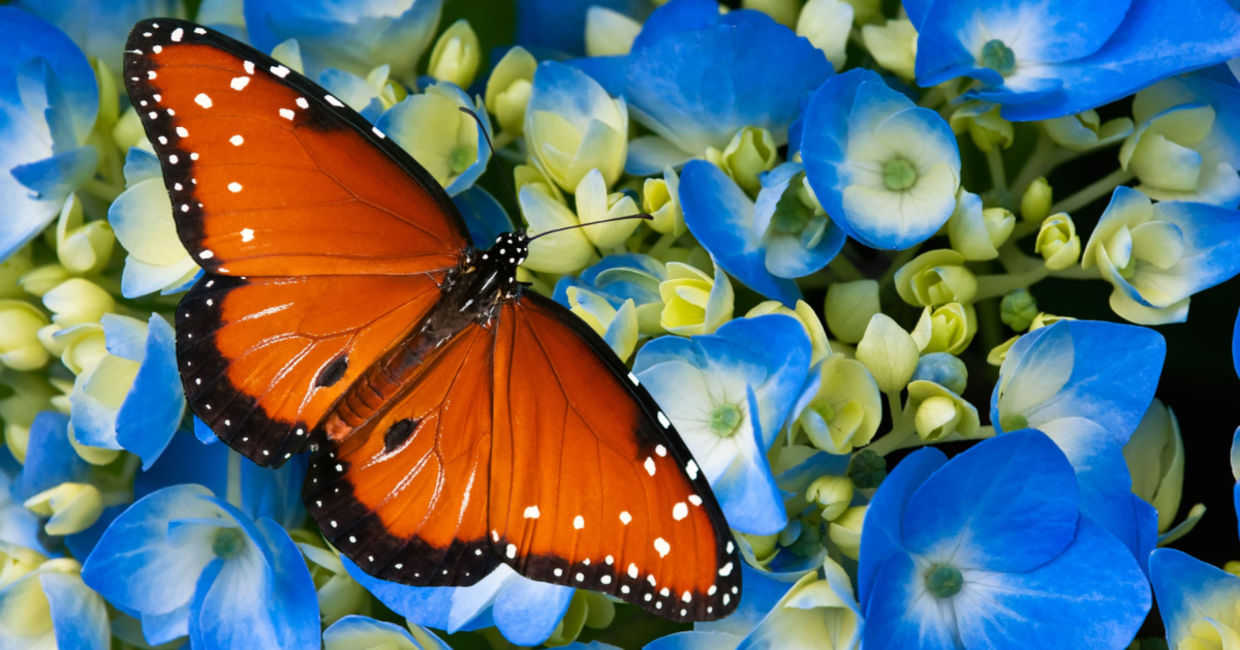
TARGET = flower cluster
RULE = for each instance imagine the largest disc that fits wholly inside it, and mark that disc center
(855, 209)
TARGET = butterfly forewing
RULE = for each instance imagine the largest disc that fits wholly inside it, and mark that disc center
(629, 512)
(271, 175)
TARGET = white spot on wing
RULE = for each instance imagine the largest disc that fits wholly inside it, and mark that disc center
(680, 511)
(633, 378)
(660, 450)
(531, 512)
(234, 187)
(692, 468)
(511, 551)
(206, 255)
(377, 132)
(286, 113)
(725, 571)
(247, 234)
(664, 421)
(239, 83)
(249, 67)
(633, 571)
(625, 517)
(236, 140)
(649, 465)
(202, 100)
(279, 71)
(333, 101)
(695, 499)
(182, 132)
(301, 102)
(662, 546)
(176, 35)
(579, 522)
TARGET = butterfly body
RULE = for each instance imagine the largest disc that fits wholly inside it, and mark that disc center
(455, 419)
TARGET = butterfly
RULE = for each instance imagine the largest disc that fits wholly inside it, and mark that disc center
(455, 419)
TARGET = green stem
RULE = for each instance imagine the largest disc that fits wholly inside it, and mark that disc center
(998, 176)
(106, 192)
(843, 268)
(1093, 191)
(664, 242)
(991, 286)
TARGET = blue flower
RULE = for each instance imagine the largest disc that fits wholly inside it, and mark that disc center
(50, 607)
(99, 27)
(1087, 384)
(759, 597)
(484, 217)
(1186, 145)
(1057, 57)
(990, 549)
(142, 219)
(559, 26)
(884, 169)
(351, 36)
(526, 612)
(187, 562)
(728, 399)
(572, 126)
(764, 243)
(48, 102)
(132, 397)
(1199, 604)
(696, 77)
(354, 631)
(451, 145)
(618, 278)
(1158, 255)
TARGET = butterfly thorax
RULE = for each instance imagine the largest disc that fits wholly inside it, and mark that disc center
(470, 296)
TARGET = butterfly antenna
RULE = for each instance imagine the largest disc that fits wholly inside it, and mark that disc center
(626, 217)
(491, 145)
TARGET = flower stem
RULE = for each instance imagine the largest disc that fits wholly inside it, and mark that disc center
(843, 268)
(998, 176)
(1093, 191)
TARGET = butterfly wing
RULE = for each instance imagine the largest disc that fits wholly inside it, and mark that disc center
(324, 241)
(590, 484)
(405, 494)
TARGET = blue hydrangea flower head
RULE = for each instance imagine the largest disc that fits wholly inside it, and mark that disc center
(50, 607)
(526, 612)
(559, 26)
(696, 77)
(728, 399)
(1049, 59)
(99, 28)
(352, 36)
(885, 170)
(763, 242)
(451, 145)
(991, 547)
(48, 103)
(187, 562)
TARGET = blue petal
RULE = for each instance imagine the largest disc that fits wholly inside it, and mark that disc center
(1156, 40)
(451, 609)
(527, 612)
(747, 492)
(50, 459)
(152, 411)
(59, 174)
(204, 433)
(1010, 501)
(694, 640)
(99, 26)
(697, 88)
(1213, 237)
(900, 613)
(559, 26)
(677, 16)
(141, 165)
(1091, 595)
(26, 38)
(881, 533)
(81, 543)
(1114, 370)
(786, 361)
(1189, 590)
(186, 460)
(650, 154)
(79, 617)
(484, 216)
(758, 598)
(719, 214)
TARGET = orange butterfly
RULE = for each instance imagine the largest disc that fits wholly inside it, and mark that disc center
(455, 420)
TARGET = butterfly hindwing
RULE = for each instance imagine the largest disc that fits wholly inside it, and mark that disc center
(405, 495)
(590, 485)
(271, 175)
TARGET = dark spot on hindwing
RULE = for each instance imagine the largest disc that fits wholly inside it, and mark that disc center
(332, 372)
(398, 433)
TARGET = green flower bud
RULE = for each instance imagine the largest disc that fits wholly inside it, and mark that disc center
(827, 24)
(888, 352)
(939, 413)
(934, 278)
(1170, 153)
(833, 493)
(508, 89)
(128, 132)
(849, 307)
(846, 410)
(82, 248)
(867, 469)
(1017, 309)
(11, 271)
(77, 301)
(562, 252)
(456, 55)
(892, 44)
(985, 126)
(998, 353)
(661, 200)
(40, 280)
(809, 320)
(1155, 456)
(751, 152)
(1035, 203)
(1043, 319)
(949, 328)
(693, 302)
(1085, 131)
(943, 369)
(764, 546)
(1058, 242)
(20, 348)
(17, 561)
(977, 233)
(609, 33)
(845, 531)
(73, 507)
(338, 593)
(595, 204)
